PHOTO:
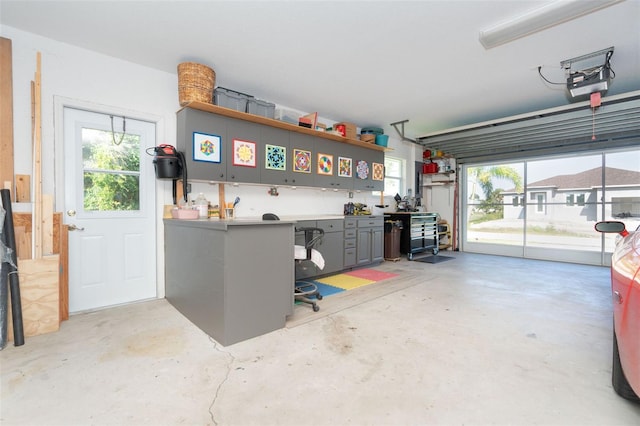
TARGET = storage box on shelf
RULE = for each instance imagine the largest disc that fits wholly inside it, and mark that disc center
(231, 99)
(350, 129)
(261, 108)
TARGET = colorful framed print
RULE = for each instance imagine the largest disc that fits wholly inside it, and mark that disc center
(244, 153)
(325, 164)
(275, 157)
(344, 167)
(362, 170)
(378, 171)
(301, 160)
(207, 147)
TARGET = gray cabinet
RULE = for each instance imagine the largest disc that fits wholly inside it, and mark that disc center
(366, 157)
(370, 240)
(190, 121)
(330, 150)
(350, 238)
(241, 131)
(331, 247)
(332, 244)
(215, 275)
(229, 125)
(299, 146)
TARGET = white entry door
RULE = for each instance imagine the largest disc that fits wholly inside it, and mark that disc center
(109, 207)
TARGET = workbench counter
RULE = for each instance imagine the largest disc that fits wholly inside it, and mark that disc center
(234, 278)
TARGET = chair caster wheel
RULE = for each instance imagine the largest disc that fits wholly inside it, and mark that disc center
(316, 308)
(319, 297)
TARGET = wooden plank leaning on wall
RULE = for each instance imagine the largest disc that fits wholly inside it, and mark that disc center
(6, 116)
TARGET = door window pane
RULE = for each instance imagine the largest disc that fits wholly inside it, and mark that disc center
(111, 170)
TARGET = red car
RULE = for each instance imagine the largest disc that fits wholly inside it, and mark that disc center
(625, 288)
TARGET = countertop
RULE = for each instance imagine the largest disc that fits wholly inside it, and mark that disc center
(224, 224)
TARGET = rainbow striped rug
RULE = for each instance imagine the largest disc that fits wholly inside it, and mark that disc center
(349, 280)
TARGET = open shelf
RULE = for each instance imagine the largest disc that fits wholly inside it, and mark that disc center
(215, 109)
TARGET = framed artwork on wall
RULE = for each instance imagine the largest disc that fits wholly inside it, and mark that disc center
(244, 153)
(275, 157)
(378, 171)
(362, 170)
(207, 147)
(345, 167)
(301, 160)
(325, 164)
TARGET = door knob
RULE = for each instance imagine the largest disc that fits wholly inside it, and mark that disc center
(71, 212)
(73, 227)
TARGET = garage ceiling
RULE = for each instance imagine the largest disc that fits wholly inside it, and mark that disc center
(371, 63)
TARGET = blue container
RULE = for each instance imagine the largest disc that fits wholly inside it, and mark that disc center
(382, 140)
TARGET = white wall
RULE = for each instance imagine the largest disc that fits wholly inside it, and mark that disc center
(89, 78)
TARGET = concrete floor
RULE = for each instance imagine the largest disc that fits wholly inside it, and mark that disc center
(475, 340)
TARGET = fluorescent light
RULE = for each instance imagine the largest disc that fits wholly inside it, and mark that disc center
(535, 20)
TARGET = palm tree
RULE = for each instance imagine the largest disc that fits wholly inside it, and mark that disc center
(484, 177)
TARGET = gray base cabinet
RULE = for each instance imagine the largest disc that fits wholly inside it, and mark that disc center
(330, 247)
(349, 243)
(370, 240)
(232, 279)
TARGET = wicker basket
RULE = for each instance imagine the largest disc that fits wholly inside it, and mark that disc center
(195, 83)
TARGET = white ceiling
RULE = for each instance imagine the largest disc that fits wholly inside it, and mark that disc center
(371, 63)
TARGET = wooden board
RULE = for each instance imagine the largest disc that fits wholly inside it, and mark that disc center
(39, 296)
(6, 114)
(23, 188)
(38, 250)
(22, 227)
(47, 224)
(64, 272)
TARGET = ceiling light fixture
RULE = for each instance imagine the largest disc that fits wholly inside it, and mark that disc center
(535, 20)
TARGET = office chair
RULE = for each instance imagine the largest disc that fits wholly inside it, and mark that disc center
(304, 290)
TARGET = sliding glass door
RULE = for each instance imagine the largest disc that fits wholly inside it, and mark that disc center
(546, 208)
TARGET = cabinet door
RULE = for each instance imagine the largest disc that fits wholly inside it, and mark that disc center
(194, 123)
(301, 152)
(242, 151)
(326, 164)
(331, 247)
(363, 159)
(363, 249)
(377, 244)
(242, 147)
(279, 138)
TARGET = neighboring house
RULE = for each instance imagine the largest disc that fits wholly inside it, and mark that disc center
(565, 198)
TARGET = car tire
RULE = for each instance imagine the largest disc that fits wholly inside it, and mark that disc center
(618, 380)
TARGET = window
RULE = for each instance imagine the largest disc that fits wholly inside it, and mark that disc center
(393, 172)
(570, 200)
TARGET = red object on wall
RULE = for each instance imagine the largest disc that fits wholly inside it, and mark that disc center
(429, 168)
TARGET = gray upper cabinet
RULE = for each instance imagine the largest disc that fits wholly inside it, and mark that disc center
(194, 125)
(302, 149)
(326, 165)
(242, 164)
(363, 168)
(223, 145)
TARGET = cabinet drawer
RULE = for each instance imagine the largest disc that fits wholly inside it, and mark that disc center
(349, 257)
(370, 222)
(349, 233)
(331, 225)
(350, 222)
(350, 243)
